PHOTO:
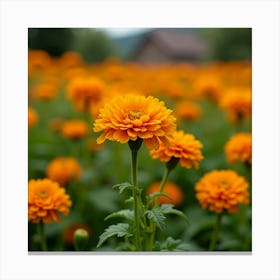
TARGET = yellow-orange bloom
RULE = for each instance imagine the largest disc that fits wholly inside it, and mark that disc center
(64, 170)
(46, 90)
(221, 190)
(46, 201)
(172, 190)
(187, 110)
(182, 146)
(129, 117)
(238, 104)
(74, 129)
(86, 92)
(32, 117)
(239, 148)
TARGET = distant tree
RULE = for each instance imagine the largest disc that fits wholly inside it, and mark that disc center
(53, 40)
(93, 44)
(229, 43)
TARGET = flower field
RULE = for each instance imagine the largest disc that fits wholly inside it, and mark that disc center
(130, 157)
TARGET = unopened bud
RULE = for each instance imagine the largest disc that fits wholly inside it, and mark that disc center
(80, 239)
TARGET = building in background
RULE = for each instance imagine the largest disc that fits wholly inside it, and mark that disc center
(163, 45)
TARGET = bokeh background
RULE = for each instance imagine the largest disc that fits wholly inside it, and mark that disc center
(191, 69)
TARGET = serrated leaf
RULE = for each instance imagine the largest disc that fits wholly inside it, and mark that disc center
(125, 213)
(168, 209)
(120, 230)
(156, 214)
(123, 186)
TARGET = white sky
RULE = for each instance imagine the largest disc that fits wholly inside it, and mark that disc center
(116, 32)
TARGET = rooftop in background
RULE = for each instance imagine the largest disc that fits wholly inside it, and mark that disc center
(162, 45)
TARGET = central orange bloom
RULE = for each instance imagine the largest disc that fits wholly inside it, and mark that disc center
(46, 200)
(129, 117)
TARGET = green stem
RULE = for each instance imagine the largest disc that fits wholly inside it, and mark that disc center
(215, 233)
(153, 225)
(162, 183)
(134, 147)
(42, 236)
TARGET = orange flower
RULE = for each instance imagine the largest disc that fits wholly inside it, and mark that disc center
(86, 92)
(64, 170)
(239, 148)
(187, 110)
(221, 190)
(128, 117)
(238, 104)
(46, 90)
(182, 146)
(46, 200)
(74, 129)
(171, 190)
(32, 117)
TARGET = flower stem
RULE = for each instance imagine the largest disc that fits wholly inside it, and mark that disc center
(162, 183)
(134, 147)
(215, 233)
(42, 236)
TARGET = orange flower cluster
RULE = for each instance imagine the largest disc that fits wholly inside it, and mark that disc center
(74, 129)
(32, 117)
(172, 190)
(64, 170)
(46, 201)
(239, 148)
(221, 190)
(182, 146)
(237, 103)
(129, 117)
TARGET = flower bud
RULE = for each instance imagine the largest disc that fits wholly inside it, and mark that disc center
(80, 239)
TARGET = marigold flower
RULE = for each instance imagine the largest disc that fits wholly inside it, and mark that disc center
(45, 91)
(182, 146)
(86, 92)
(238, 104)
(221, 190)
(172, 190)
(46, 201)
(64, 170)
(74, 129)
(187, 110)
(129, 117)
(32, 117)
(239, 148)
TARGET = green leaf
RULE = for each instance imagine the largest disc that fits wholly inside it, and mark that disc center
(168, 209)
(125, 213)
(129, 200)
(171, 244)
(120, 230)
(155, 194)
(123, 186)
(156, 214)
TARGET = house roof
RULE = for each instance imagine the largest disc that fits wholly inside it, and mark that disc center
(176, 44)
